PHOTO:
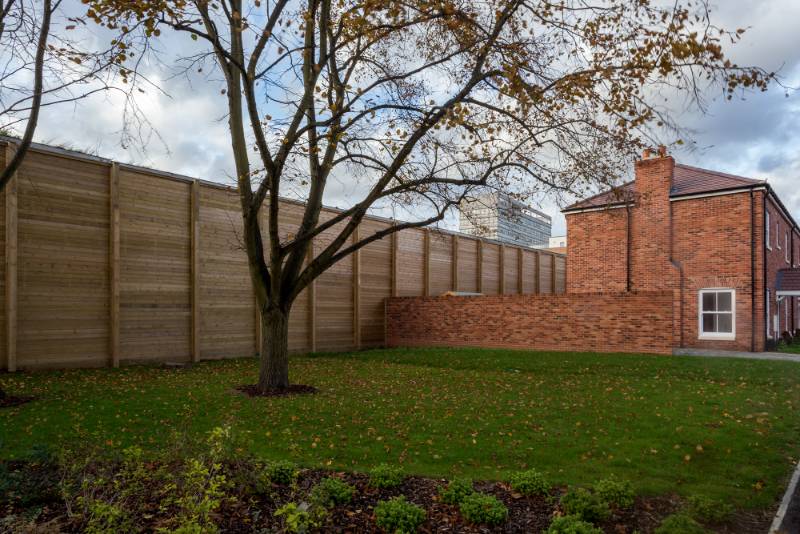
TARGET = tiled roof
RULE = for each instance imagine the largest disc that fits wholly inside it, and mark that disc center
(691, 180)
(788, 280)
(686, 180)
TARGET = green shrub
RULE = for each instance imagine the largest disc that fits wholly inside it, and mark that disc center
(107, 518)
(197, 496)
(386, 476)
(456, 490)
(281, 472)
(480, 508)
(680, 523)
(331, 492)
(615, 493)
(300, 518)
(530, 482)
(709, 510)
(585, 504)
(197, 491)
(399, 516)
(571, 524)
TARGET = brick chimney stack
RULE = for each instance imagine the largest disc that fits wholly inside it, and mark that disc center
(651, 269)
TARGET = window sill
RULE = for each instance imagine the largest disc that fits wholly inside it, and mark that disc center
(717, 337)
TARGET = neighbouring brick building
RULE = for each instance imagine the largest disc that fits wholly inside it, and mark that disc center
(725, 246)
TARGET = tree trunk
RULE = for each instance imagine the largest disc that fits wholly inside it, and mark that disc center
(274, 368)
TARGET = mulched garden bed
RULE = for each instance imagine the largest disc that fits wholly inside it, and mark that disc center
(252, 512)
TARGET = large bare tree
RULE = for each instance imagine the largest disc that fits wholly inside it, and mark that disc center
(426, 102)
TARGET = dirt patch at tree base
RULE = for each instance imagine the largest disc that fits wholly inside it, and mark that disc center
(251, 390)
(9, 401)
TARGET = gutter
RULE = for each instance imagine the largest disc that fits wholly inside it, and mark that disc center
(615, 205)
(764, 269)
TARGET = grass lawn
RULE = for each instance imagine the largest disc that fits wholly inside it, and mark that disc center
(725, 428)
(794, 348)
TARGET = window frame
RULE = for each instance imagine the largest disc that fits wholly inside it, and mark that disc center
(786, 316)
(769, 315)
(768, 237)
(778, 234)
(786, 246)
(718, 336)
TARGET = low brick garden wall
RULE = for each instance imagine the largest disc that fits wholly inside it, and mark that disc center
(591, 322)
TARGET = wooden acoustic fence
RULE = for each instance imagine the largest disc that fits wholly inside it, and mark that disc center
(107, 263)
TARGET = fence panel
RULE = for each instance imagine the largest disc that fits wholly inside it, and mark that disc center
(116, 263)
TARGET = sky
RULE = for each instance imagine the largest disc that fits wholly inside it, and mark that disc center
(758, 136)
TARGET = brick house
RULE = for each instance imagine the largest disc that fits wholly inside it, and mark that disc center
(725, 246)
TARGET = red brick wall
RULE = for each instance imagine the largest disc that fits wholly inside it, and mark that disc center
(776, 260)
(712, 243)
(596, 322)
(596, 251)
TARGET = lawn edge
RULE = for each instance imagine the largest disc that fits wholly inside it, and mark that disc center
(780, 515)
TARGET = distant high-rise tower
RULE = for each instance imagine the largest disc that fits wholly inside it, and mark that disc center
(498, 216)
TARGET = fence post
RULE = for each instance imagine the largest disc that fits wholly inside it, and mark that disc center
(113, 262)
(194, 219)
(395, 238)
(519, 271)
(480, 266)
(11, 266)
(312, 305)
(553, 273)
(427, 265)
(356, 293)
(454, 266)
(502, 264)
(538, 287)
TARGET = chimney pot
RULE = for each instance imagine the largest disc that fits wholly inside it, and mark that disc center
(646, 153)
(662, 151)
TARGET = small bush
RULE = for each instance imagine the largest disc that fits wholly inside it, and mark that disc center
(615, 493)
(331, 492)
(107, 518)
(585, 504)
(399, 516)
(680, 524)
(386, 476)
(281, 472)
(456, 490)
(300, 518)
(709, 510)
(480, 508)
(530, 482)
(571, 524)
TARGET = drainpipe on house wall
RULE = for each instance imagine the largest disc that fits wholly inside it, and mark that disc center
(752, 271)
(679, 266)
(628, 248)
(791, 264)
(764, 267)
